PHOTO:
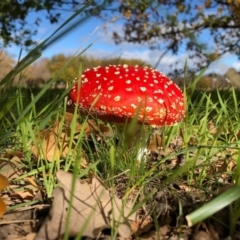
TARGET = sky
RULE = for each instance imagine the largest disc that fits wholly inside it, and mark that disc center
(97, 33)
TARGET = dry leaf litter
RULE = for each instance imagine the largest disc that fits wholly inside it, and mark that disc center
(95, 208)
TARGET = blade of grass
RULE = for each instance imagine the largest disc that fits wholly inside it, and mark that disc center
(213, 206)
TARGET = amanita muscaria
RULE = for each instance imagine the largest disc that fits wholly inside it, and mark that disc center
(120, 93)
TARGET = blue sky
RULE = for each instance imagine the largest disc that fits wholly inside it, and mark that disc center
(93, 32)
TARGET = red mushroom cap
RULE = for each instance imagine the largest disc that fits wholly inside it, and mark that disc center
(116, 93)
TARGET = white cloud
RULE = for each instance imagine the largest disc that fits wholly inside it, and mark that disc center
(149, 56)
(100, 36)
(142, 52)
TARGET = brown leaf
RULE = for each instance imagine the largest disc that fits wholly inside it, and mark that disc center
(48, 147)
(16, 224)
(54, 142)
(23, 194)
(155, 142)
(3, 184)
(212, 128)
(205, 232)
(139, 227)
(69, 119)
(93, 209)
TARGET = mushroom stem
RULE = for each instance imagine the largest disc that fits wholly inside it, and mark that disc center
(129, 131)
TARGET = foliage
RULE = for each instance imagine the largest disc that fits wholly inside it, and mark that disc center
(89, 62)
(41, 71)
(57, 63)
(13, 18)
(206, 28)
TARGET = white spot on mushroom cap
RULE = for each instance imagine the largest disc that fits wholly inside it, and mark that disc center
(133, 106)
(103, 107)
(117, 98)
(84, 80)
(158, 91)
(149, 109)
(143, 89)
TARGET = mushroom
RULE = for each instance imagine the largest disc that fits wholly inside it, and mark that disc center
(120, 93)
(113, 93)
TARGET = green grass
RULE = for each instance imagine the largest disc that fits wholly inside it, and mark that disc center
(24, 113)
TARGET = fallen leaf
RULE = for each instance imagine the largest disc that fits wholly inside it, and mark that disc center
(93, 208)
(31, 236)
(205, 231)
(155, 142)
(212, 128)
(3, 184)
(139, 227)
(34, 183)
(48, 147)
(162, 233)
(25, 189)
(53, 143)
(16, 224)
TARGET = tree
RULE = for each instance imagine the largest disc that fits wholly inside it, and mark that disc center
(14, 27)
(90, 62)
(205, 28)
(68, 74)
(56, 65)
